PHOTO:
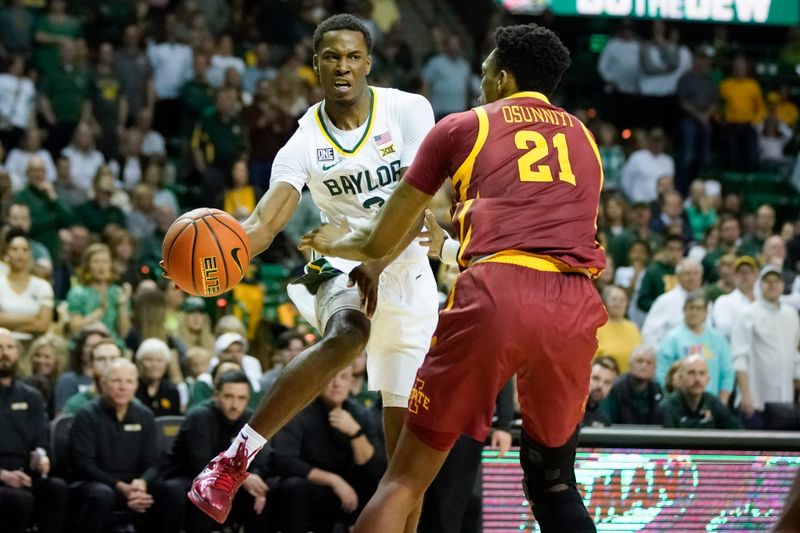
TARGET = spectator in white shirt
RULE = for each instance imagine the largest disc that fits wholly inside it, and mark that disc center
(772, 138)
(222, 60)
(764, 343)
(153, 143)
(728, 306)
(17, 160)
(172, 67)
(17, 101)
(84, 158)
(618, 65)
(663, 61)
(644, 167)
(667, 311)
(233, 347)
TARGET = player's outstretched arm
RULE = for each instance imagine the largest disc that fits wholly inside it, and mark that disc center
(380, 237)
(271, 215)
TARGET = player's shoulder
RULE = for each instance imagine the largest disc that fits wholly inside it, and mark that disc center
(399, 101)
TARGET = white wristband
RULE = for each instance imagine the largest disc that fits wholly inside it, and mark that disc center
(449, 253)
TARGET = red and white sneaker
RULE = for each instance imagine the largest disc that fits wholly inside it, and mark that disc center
(214, 489)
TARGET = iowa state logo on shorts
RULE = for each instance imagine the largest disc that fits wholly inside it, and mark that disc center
(209, 270)
(418, 398)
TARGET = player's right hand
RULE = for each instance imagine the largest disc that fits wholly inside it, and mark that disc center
(164, 272)
(367, 276)
(346, 494)
(434, 236)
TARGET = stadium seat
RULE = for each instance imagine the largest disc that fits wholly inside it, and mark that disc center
(59, 444)
(167, 428)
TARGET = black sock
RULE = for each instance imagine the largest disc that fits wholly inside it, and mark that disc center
(562, 512)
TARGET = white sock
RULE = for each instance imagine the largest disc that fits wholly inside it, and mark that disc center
(253, 442)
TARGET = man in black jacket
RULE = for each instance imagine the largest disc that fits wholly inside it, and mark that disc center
(27, 495)
(330, 459)
(112, 447)
(209, 427)
(604, 373)
(635, 395)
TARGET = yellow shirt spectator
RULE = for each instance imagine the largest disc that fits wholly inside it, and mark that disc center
(743, 101)
(619, 336)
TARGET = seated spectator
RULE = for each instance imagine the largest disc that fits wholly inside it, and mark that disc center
(17, 160)
(699, 249)
(19, 216)
(79, 376)
(617, 238)
(155, 390)
(288, 345)
(96, 297)
(261, 70)
(112, 447)
(644, 168)
(70, 194)
(612, 156)
(222, 60)
(84, 159)
(764, 342)
(774, 253)
(667, 311)
(49, 213)
(102, 354)
(630, 278)
(233, 347)
(194, 325)
(604, 373)
(619, 336)
(26, 302)
(728, 306)
(773, 135)
(700, 213)
(660, 274)
(753, 241)
(694, 337)
(197, 364)
(154, 178)
(330, 459)
(47, 357)
(28, 495)
(691, 405)
(641, 216)
(153, 143)
(729, 236)
(240, 200)
(671, 219)
(128, 168)
(725, 283)
(123, 248)
(208, 428)
(98, 213)
(635, 395)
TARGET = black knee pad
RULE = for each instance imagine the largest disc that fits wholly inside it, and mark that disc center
(546, 467)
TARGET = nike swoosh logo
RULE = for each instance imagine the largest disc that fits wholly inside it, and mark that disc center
(235, 256)
(328, 167)
(418, 276)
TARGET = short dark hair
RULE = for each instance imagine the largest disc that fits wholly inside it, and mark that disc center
(534, 54)
(13, 232)
(342, 21)
(607, 362)
(285, 339)
(231, 376)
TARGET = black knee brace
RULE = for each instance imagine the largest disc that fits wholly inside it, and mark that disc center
(544, 468)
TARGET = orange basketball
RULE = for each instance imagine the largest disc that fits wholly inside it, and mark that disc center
(206, 252)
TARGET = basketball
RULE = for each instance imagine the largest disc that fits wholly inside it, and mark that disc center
(206, 252)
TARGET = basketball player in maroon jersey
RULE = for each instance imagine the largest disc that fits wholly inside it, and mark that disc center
(527, 178)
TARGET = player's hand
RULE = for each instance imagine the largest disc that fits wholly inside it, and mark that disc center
(260, 503)
(15, 479)
(367, 277)
(433, 236)
(164, 272)
(501, 441)
(343, 421)
(324, 238)
(255, 486)
(346, 494)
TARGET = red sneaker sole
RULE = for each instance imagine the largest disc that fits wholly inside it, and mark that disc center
(207, 508)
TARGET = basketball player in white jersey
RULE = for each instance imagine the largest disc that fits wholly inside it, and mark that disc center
(350, 151)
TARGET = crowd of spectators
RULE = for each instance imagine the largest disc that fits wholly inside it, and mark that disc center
(115, 116)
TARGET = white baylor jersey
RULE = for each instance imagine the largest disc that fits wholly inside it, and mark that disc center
(352, 173)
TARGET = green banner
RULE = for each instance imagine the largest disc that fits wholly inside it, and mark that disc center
(774, 12)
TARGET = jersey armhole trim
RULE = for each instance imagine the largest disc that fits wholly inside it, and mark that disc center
(462, 176)
(373, 101)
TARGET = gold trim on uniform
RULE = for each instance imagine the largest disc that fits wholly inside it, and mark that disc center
(363, 141)
(462, 176)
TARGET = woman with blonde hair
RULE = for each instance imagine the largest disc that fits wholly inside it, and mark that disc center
(45, 361)
(194, 326)
(96, 297)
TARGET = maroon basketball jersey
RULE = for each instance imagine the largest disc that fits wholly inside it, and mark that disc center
(527, 177)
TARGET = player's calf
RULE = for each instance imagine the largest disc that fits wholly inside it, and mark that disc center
(549, 485)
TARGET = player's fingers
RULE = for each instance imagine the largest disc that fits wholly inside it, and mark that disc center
(372, 303)
(430, 219)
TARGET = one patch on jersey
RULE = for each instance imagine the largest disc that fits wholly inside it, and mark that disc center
(324, 154)
(383, 138)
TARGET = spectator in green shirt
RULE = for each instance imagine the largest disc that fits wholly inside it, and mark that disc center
(63, 98)
(197, 95)
(690, 406)
(765, 227)
(660, 275)
(96, 297)
(48, 213)
(99, 213)
(729, 234)
(52, 30)
(102, 354)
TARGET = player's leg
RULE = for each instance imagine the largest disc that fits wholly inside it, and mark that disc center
(393, 418)
(553, 385)
(413, 467)
(346, 334)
